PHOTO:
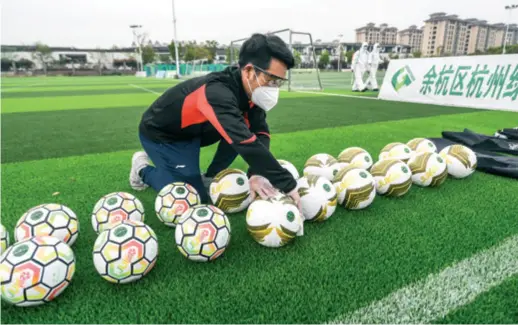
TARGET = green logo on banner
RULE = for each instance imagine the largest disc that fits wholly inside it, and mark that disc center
(402, 78)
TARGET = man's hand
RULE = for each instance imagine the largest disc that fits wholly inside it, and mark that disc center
(261, 186)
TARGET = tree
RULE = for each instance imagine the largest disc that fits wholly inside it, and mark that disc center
(99, 57)
(349, 56)
(297, 57)
(323, 62)
(164, 58)
(172, 50)
(417, 54)
(25, 64)
(7, 64)
(43, 55)
(212, 47)
(148, 54)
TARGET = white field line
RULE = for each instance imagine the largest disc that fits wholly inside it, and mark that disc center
(8, 89)
(439, 294)
(335, 95)
(145, 89)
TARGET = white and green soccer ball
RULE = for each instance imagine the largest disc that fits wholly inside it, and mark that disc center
(396, 150)
(290, 167)
(174, 200)
(114, 208)
(419, 145)
(230, 190)
(323, 165)
(35, 271)
(274, 222)
(355, 187)
(461, 160)
(355, 156)
(428, 169)
(126, 252)
(4, 239)
(203, 233)
(51, 219)
(318, 198)
(392, 177)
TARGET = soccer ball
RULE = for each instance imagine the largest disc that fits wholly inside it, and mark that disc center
(203, 233)
(52, 219)
(126, 252)
(230, 190)
(113, 208)
(392, 177)
(36, 270)
(4, 239)
(318, 198)
(396, 150)
(419, 145)
(274, 222)
(355, 187)
(290, 167)
(323, 165)
(174, 200)
(356, 157)
(428, 169)
(461, 160)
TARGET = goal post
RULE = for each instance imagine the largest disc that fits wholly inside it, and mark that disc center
(305, 74)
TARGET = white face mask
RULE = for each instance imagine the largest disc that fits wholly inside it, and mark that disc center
(265, 97)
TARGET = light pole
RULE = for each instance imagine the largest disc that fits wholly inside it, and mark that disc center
(340, 51)
(137, 41)
(175, 45)
(510, 8)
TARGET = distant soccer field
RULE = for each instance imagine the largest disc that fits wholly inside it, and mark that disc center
(76, 136)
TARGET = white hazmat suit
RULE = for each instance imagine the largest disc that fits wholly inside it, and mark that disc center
(373, 64)
(359, 66)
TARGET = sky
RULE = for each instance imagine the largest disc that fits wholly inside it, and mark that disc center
(104, 23)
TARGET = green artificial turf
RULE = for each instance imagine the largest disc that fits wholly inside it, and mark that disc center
(65, 132)
(338, 266)
(497, 306)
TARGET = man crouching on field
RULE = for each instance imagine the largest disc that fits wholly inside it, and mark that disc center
(229, 107)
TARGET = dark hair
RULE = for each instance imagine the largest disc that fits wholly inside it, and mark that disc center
(260, 49)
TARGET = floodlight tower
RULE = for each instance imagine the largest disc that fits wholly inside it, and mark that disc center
(136, 37)
(340, 50)
(510, 8)
(175, 44)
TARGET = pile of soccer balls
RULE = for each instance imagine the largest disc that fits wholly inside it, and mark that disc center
(40, 264)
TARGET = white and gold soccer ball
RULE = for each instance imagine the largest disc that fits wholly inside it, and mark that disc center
(290, 167)
(419, 145)
(396, 150)
(428, 169)
(114, 208)
(126, 252)
(355, 187)
(203, 233)
(461, 160)
(174, 200)
(318, 198)
(36, 270)
(230, 190)
(274, 222)
(392, 177)
(355, 156)
(323, 165)
(51, 219)
(4, 239)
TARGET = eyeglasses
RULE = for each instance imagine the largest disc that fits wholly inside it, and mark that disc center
(275, 81)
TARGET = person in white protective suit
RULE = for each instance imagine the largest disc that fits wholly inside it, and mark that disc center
(373, 64)
(359, 67)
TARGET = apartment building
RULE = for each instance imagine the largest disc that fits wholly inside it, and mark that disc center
(412, 36)
(372, 34)
(449, 34)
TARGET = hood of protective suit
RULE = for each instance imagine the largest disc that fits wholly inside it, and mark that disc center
(376, 48)
(364, 48)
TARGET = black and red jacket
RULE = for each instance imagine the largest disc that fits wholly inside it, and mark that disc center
(215, 107)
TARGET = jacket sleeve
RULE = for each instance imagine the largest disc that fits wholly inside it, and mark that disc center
(259, 127)
(220, 107)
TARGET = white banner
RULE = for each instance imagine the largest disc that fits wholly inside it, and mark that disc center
(485, 81)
